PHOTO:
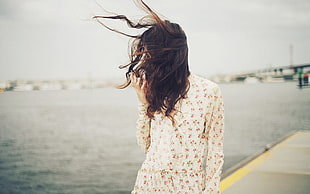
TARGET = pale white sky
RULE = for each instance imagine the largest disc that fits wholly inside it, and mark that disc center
(54, 39)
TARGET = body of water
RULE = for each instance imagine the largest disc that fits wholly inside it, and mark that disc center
(83, 141)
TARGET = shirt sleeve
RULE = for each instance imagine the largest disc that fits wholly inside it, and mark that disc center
(143, 129)
(215, 135)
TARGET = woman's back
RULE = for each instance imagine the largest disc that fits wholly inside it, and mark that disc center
(175, 153)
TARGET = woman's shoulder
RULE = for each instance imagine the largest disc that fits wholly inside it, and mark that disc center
(201, 82)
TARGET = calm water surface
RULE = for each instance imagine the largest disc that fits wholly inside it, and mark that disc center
(83, 141)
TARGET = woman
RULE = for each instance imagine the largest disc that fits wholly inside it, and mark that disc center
(180, 124)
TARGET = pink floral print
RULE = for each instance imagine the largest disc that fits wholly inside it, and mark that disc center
(187, 157)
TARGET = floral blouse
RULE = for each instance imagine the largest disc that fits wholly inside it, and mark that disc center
(187, 157)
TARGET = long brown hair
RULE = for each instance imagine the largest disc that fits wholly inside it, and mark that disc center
(161, 54)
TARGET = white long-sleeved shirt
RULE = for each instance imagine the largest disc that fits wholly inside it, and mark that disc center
(186, 157)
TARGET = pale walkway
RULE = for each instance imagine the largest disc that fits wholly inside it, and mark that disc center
(284, 169)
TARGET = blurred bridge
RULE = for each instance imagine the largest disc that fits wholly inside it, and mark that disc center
(280, 73)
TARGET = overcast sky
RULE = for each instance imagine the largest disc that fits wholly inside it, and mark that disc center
(55, 39)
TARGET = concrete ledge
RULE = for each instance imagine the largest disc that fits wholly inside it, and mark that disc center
(283, 168)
